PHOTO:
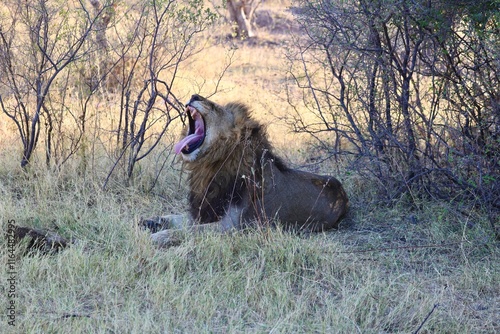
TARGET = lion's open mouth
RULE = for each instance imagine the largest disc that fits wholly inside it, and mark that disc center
(196, 133)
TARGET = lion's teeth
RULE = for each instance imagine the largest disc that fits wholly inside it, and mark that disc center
(191, 110)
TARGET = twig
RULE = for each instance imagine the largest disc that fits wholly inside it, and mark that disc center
(426, 318)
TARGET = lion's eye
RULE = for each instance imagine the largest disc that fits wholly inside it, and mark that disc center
(217, 109)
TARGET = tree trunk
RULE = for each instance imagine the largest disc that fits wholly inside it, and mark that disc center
(242, 12)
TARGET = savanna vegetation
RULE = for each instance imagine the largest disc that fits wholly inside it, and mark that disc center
(398, 99)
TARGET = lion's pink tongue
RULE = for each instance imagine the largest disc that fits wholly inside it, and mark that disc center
(194, 138)
(186, 142)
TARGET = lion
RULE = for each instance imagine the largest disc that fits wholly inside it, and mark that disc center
(236, 181)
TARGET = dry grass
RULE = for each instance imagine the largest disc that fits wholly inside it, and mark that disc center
(383, 271)
(433, 268)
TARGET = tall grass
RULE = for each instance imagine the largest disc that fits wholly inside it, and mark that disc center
(384, 270)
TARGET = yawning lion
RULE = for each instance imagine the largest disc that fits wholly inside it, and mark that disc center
(237, 181)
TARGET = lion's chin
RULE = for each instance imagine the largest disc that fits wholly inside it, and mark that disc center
(190, 157)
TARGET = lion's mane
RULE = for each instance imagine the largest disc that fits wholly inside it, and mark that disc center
(227, 170)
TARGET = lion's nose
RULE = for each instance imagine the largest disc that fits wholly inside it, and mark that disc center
(195, 97)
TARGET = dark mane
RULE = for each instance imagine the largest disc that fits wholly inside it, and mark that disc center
(226, 178)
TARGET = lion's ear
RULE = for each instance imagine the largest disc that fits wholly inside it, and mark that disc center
(240, 120)
(240, 114)
(238, 109)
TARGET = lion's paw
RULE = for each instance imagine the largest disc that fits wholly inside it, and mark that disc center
(156, 224)
(153, 224)
(167, 238)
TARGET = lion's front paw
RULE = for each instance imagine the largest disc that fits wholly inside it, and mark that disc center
(153, 224)
(156, 224)
(167, 238)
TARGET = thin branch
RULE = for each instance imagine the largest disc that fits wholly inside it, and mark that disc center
(426, 318)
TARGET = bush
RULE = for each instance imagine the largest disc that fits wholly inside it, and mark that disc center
(408, 91)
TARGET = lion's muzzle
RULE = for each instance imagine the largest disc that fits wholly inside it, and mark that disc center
(196, 132)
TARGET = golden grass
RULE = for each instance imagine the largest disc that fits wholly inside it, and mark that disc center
(384, 271)
(381, 272)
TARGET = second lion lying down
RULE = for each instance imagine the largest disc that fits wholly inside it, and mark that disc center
(236, 181)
